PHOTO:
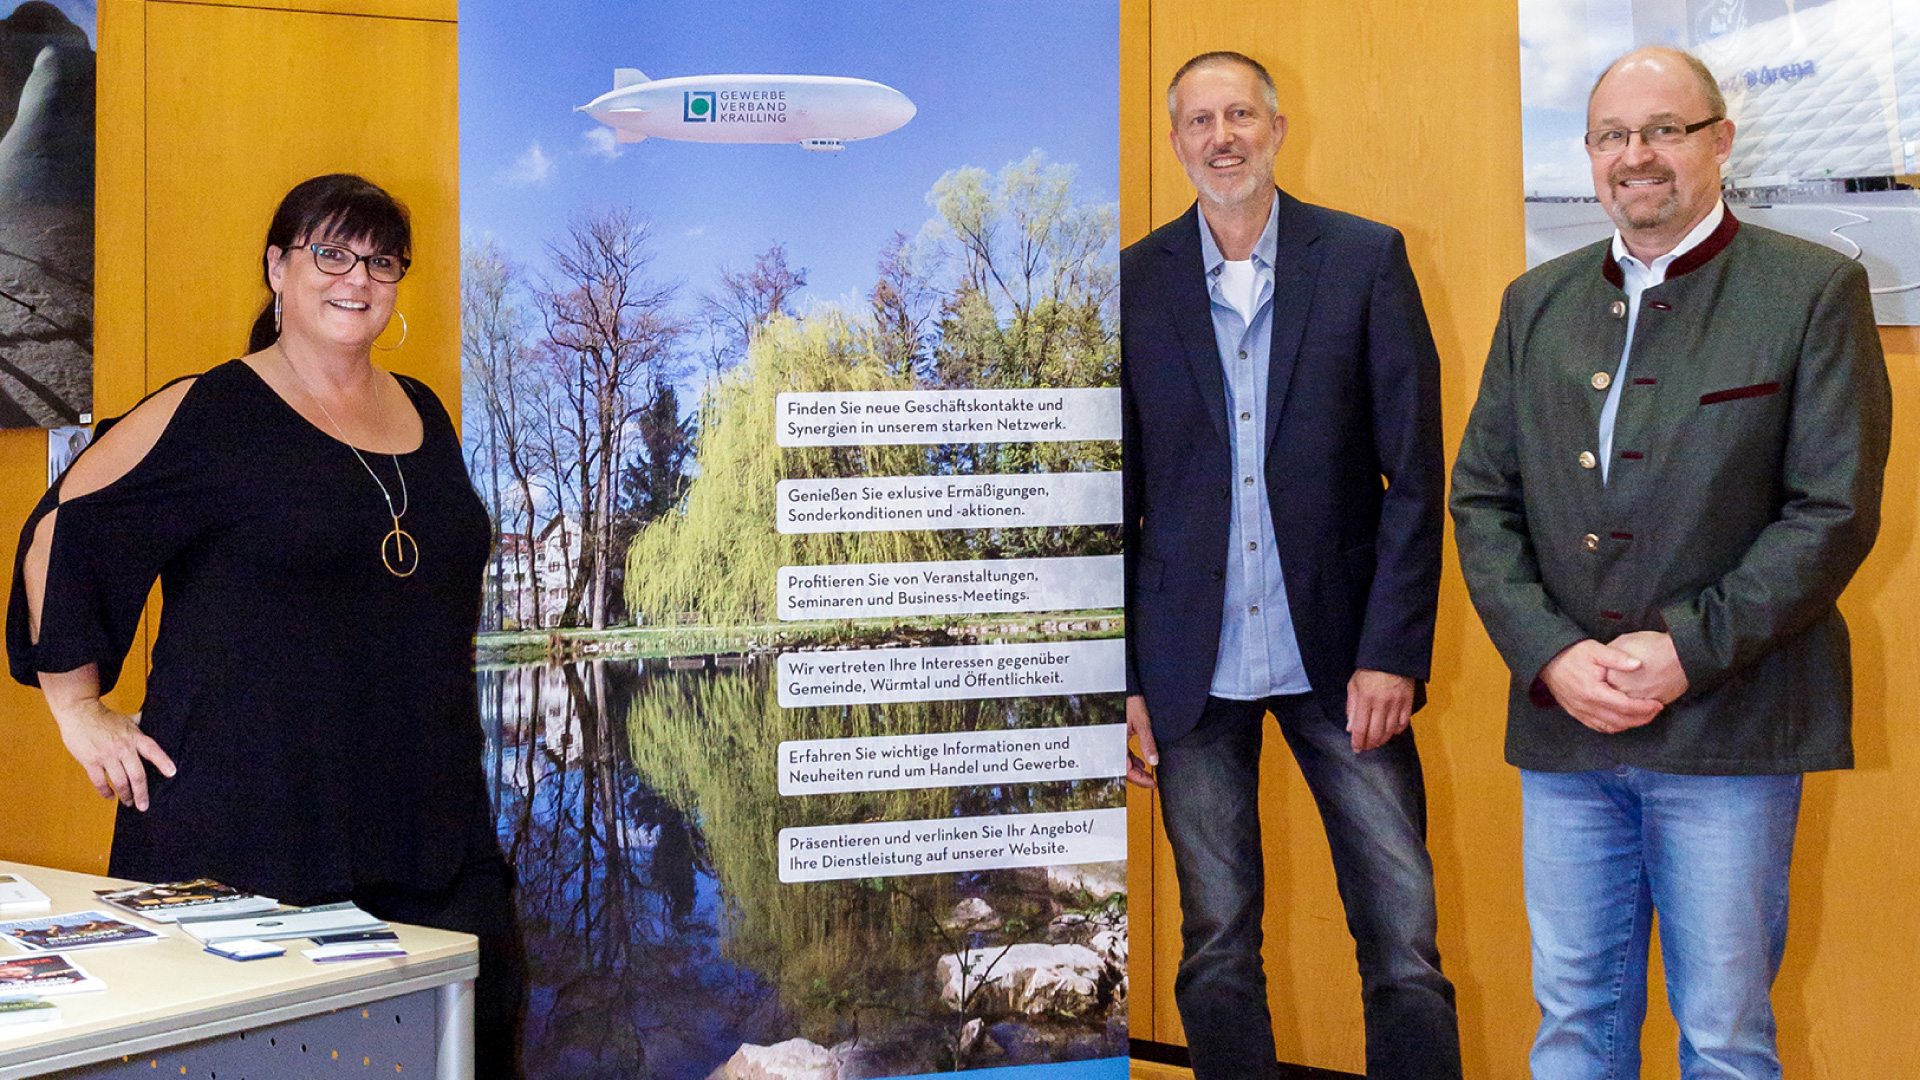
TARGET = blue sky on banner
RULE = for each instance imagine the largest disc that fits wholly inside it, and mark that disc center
(992, 81)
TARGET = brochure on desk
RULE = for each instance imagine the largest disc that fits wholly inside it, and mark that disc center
(18, 895)
(77, 930)
(838, 778)
(43, 974)
(167, 902)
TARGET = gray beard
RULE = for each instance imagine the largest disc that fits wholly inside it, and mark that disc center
(1642, 216)
(1252, 190)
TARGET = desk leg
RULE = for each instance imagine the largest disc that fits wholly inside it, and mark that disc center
(456, 1031)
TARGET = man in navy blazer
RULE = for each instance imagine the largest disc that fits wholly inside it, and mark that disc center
(1284, 499)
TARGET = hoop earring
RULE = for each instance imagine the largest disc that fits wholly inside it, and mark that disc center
(403, 334)
(276, 313)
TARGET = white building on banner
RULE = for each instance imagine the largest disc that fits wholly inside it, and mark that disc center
(551, 561)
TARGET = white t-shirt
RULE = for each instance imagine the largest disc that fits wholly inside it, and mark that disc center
(1240, 287)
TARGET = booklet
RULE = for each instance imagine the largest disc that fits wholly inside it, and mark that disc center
(44, 973)
(246, 949)
(166, 902)
(352, 950)
(20, 1013)
(290, 923)
(17, 894)
(77, 930)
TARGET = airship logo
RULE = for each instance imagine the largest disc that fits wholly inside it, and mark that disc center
(818, 112)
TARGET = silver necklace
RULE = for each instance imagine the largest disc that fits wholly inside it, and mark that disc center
(398, 551)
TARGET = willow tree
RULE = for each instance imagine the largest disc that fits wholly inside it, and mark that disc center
(719, 556)
(1031, 292)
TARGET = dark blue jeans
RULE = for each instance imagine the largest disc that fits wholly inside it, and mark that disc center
(1374, 808)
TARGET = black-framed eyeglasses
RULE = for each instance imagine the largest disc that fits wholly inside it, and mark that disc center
(336, 260)
(1663, 134)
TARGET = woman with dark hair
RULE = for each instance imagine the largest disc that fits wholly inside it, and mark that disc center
(311, 727)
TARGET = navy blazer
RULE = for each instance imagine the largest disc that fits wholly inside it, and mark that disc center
(1354, 470)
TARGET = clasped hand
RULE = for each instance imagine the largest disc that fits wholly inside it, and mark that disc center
(1620, 685)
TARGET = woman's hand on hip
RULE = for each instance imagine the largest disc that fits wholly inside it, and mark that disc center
(108, 744)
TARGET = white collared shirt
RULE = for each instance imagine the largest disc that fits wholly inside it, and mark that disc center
(1638, 277)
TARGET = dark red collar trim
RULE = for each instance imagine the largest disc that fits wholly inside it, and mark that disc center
(1714, 244)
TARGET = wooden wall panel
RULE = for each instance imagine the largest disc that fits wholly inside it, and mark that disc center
(1408, 113)
(432, 10)
(59, 820)
(242, 104)
(207, 114)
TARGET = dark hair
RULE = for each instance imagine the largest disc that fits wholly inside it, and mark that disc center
(339, 205)
(1225, 56)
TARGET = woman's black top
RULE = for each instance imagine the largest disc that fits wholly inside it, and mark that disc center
(322, 711)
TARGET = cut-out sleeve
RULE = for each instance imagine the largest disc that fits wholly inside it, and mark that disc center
(107, 549)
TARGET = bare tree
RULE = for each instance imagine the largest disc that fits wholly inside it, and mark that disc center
(744, 301)
(614, 329)
(904, 303)
(501, 377)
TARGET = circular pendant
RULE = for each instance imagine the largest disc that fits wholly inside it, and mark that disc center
(400, 554)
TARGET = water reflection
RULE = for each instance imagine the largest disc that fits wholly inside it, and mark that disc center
(637, 802)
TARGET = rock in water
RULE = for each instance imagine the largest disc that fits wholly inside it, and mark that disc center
(1098, 880)
(972, 915)
(795, 1059)
(1026, 980)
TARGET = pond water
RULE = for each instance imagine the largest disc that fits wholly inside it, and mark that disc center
(622, 916)
(637, 802)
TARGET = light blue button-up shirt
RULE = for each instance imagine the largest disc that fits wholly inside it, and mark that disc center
(1637, 277)
(1259, 655)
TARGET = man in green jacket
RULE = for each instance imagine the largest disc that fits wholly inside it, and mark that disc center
(1671, 473)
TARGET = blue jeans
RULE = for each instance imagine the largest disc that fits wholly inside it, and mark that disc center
(1374, 808)
(1605, 850)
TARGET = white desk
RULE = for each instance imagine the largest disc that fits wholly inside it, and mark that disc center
(164, 995)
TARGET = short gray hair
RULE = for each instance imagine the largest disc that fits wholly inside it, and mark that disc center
(1225, 56)
(1709, 86)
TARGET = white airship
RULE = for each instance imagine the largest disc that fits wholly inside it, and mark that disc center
(820, 112)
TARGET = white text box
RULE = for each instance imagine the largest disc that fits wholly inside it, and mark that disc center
(952, 672)
(994, 501)
(954, 759)
(925, 417)
(877, 590)
(952, 845)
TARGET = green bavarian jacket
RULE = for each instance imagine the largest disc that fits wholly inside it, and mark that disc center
(1749, 450)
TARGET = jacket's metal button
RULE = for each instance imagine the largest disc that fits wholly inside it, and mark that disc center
(1587, 460)
(1619, 309)
(1590, 542)
(1602, 380)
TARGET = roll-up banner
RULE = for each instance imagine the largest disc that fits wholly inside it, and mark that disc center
(791, 367)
